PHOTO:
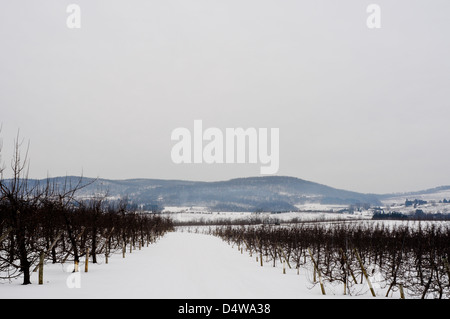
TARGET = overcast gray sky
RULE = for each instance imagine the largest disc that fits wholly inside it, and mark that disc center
(360, 109)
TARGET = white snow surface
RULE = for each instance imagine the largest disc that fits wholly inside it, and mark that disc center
(180, 265)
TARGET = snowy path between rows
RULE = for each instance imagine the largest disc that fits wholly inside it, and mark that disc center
(180, 265)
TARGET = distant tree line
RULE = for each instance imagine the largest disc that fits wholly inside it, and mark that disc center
(415, 202)
(417, 215)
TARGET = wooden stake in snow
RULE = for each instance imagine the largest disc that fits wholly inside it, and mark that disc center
(41, 268)
(365, 273)
(86, 263)
(316, 268)
(402, 295)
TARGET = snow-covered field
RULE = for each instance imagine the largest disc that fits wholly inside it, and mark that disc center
(180, 265)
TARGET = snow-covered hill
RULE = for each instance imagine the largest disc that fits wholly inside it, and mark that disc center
(267, 193)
